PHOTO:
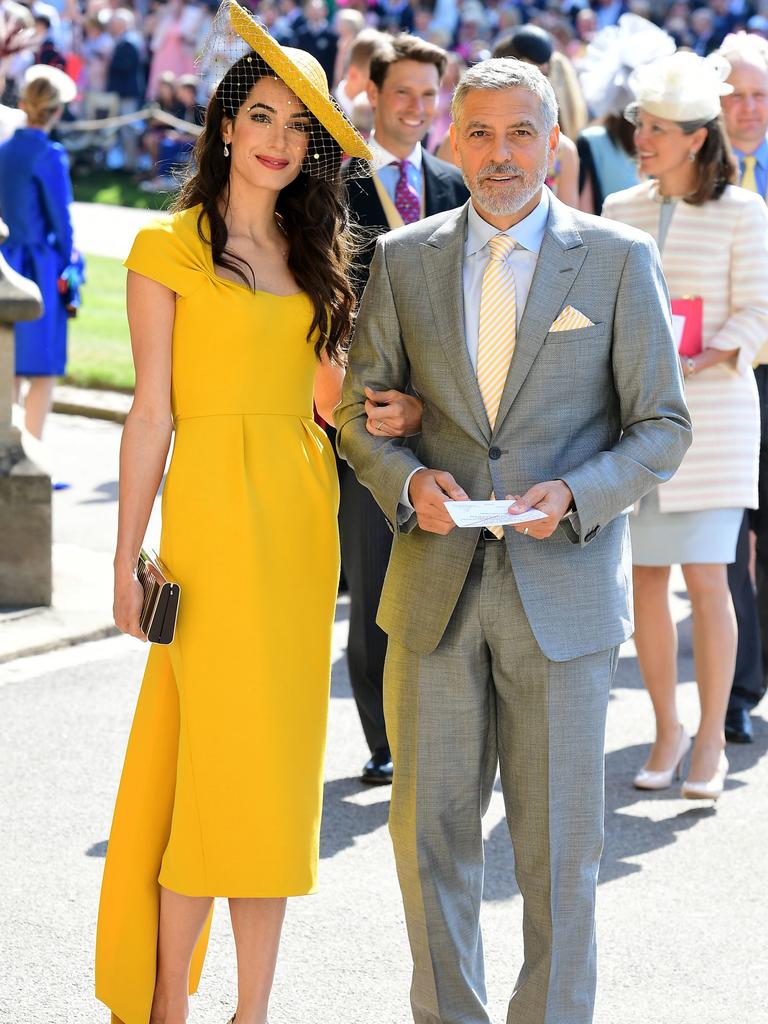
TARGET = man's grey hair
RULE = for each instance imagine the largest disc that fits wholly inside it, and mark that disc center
(743, 48)
(507, 73)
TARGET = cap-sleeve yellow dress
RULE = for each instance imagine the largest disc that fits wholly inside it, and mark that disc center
(222, 784)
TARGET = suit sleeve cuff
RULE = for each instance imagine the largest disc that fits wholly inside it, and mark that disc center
(404, 508)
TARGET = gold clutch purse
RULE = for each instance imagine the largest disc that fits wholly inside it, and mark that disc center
(161, 599)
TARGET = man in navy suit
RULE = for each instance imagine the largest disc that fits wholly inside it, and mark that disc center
(314, 33)
(408, 184)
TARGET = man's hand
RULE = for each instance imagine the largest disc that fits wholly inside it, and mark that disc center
(552, 497)
(429, 490)
(392, 413)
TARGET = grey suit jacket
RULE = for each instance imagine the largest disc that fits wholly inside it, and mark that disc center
(601, 408)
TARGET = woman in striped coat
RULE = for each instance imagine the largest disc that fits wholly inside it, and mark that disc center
(713, 238)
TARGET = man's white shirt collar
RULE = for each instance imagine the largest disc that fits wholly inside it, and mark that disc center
(528, 233)
(382, 157)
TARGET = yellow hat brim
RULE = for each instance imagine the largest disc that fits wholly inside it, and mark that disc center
(320, 104)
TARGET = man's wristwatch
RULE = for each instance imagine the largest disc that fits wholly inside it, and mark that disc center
(690, 363)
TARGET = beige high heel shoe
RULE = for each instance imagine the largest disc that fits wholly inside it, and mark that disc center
(646, 779)
(710, 790)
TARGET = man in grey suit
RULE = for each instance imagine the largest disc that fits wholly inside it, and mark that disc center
(501, 652)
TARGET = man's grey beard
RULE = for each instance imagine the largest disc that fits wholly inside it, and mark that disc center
(503, 202)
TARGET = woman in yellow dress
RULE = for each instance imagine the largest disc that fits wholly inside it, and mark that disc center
(239, 308)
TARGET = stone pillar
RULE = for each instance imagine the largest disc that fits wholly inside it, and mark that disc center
(25, 490)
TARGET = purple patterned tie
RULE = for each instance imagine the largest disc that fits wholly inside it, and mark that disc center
(407, 200)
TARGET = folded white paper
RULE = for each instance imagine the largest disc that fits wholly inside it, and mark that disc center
(489, 513)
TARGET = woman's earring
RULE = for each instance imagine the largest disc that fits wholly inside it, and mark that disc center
(226, 149)
(692, 156)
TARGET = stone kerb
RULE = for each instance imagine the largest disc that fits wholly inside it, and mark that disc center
(25, 490)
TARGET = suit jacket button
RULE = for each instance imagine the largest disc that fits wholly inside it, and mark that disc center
(494, 453)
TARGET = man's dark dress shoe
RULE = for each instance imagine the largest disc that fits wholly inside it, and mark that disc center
(378, 771)
(738, 726)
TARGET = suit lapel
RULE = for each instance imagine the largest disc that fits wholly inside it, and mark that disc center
(442, 257)
(560, 259)
(434, 192)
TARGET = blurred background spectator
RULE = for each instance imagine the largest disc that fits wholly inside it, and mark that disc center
(35, 197)
(17, 36)
(536, 46)
(607, 147)
(174, 42)
(125, 77)
(713, 239)
(315, 34)
(356, 66)
(120, 51)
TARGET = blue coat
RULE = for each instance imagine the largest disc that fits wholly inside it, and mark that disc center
(35, 196)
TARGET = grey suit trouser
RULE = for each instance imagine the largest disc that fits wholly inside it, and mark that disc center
(487, 696)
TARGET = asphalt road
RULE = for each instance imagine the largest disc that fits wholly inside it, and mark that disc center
(682, 902)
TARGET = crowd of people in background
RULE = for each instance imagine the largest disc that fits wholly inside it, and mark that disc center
(123, 55)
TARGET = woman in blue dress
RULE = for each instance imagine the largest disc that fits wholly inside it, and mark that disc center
(35, 196)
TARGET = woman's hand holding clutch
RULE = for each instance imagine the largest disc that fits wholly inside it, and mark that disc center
(128, 602)
(392, 413)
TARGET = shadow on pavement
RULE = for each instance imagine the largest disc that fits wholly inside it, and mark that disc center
(340, 689)
(107, 494)
(628, 834)
(345, 820)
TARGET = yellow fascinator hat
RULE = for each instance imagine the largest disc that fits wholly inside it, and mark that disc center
(302, 74)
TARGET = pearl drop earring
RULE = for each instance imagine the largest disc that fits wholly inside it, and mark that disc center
(226, 149)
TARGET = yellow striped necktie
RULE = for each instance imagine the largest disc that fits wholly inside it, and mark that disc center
(748, 179)
(498, 330)
(498, 325)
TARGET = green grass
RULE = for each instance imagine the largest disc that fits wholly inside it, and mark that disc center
(119, 189)
(99, 344)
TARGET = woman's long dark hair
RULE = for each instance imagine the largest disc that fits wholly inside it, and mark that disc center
(715, 162)
(311, 211)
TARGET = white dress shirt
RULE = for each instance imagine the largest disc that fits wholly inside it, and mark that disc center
(388, 175)
(528, 235)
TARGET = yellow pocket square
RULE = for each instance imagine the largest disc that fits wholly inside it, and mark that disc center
(571, 320)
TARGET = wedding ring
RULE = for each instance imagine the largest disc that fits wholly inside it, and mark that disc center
(525, 532)
(379, 425)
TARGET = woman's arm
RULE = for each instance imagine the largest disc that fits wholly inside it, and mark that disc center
(329, 379)
(745, 331)
(146, 437)
(709, 357)
(568, 178)
(390, 413)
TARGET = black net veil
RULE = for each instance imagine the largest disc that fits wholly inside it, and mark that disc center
(230, 67)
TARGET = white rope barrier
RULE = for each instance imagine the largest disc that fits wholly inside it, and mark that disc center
(119, 120)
